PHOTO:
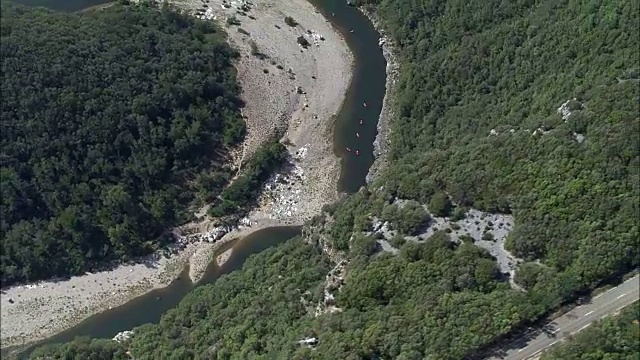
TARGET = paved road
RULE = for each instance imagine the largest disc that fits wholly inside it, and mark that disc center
(576, 320)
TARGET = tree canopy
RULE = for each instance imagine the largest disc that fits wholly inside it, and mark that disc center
(476, 117)
(263, 310)
(109, 118)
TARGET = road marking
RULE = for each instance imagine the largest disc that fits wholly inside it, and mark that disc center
(543, 349)
(587, 314)
(582, 328)
(618, 310)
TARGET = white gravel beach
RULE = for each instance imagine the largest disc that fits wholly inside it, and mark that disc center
(292, 89)
(35, 311)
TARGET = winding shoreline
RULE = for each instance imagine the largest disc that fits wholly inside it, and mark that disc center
(381, 142)
(36, 311)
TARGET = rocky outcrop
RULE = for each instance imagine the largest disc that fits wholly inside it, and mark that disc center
(123, 336)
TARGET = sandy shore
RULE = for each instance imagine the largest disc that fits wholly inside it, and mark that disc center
(222, 258)
(291, 89)
(35, 311)
(294, 90)
(206, 252)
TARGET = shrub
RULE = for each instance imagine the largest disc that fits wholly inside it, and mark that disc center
(290, 21)
(467, 239)
(458, 214)
(397, 241)
(488, 236)
(411, 218)
(303, 42)
(440, 205)
(232, 20)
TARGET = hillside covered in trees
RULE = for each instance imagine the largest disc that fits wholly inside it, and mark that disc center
(111, 121)
(476, 118)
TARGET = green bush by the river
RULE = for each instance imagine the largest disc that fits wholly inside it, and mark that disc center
(244, 191)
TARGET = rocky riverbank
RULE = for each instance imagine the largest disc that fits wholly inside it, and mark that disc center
(287, 87)
(381, 143)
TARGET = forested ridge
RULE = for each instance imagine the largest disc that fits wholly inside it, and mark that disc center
(466, 68)
(111, 121)
(470, 67)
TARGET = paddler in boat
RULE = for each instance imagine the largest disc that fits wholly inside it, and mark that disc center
(360, 121)
(357, 152)
(349, 149)
(357, 135)
(364, 104)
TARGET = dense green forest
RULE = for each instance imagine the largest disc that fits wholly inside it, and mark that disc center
(466, 68)
(510, 65)
(614, 338)
(263, 310)
(112, 122)
(470, 67)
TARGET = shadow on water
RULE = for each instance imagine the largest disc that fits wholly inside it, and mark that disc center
(367, 86)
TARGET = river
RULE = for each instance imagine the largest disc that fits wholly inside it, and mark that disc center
(150, 307)
(367, 86)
